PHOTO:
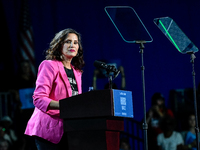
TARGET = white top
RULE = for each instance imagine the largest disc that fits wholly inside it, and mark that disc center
(171, 142)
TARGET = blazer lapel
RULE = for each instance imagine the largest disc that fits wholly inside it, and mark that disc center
(77, 75)
(65, 78)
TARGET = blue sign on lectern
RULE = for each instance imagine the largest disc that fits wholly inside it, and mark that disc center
(123, 103)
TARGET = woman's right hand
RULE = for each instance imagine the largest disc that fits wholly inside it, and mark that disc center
(53, 105)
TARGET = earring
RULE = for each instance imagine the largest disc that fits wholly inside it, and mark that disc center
(61, 57)
(77, 54)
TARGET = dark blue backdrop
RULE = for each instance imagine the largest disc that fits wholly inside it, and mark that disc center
(165, 67)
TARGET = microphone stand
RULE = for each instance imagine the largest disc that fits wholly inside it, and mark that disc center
(195, 100)
(144, 125)
(110, 82)
(115, 74)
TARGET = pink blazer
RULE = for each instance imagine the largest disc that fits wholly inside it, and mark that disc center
(52, 84)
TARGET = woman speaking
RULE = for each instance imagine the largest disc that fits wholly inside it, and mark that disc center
(59, 77)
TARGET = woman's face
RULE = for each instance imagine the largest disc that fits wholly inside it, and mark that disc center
(160, 102)
(191, 121)
(25, 68)
(70, 46)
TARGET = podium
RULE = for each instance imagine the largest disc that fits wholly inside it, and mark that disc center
(93, 120)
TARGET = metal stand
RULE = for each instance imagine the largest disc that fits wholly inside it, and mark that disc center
(144, 125)
(111, 69)
(110, 82)
(195, 100)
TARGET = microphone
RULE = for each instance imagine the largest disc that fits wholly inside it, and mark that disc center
(99, 64)
(108, 68)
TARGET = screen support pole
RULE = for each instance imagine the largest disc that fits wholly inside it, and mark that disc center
(144, 125)
(195, 100)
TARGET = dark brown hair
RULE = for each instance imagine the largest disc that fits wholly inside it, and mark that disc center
(54, 51)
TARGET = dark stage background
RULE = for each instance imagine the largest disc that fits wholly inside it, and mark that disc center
(165, 67)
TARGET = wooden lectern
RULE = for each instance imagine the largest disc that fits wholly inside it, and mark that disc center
(90, 121)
